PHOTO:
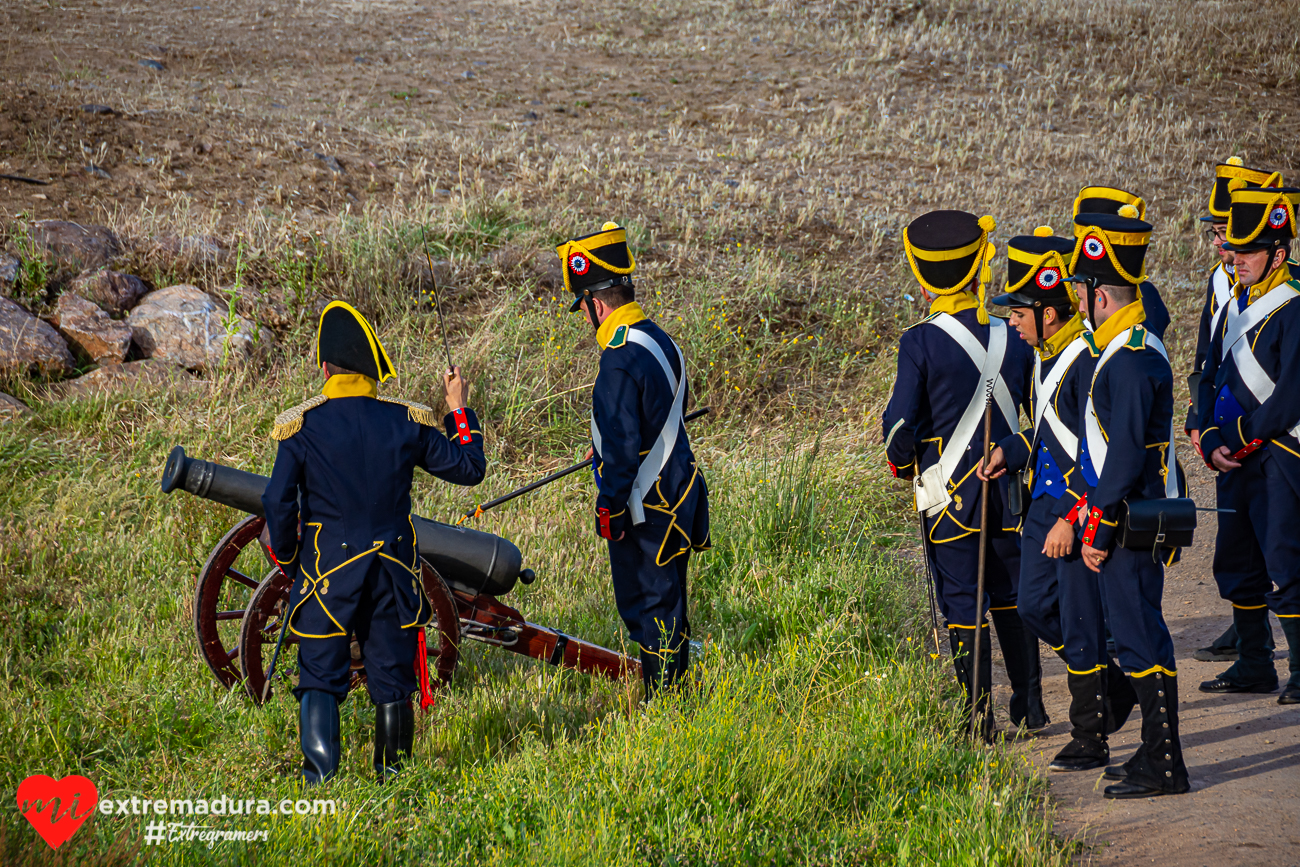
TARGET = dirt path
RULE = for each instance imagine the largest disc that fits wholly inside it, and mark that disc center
(1243, 751)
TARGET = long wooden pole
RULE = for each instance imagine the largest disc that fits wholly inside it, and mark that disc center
(979, 579)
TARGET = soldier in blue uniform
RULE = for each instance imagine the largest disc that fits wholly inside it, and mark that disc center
(934, 435)
(1108, 200)
(1217, 292)
(1249, 429)
(653, 506)
(1053, 578)
(338, 513)
(1126, 454)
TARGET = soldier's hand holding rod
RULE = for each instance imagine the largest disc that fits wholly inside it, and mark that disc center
(997, 467)
(455, 388)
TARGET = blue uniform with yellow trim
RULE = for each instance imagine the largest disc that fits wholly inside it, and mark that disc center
(1257, 555)
(1132, 396)
(343, 475)
(1055, 488)
(631, 402)
(934, 384)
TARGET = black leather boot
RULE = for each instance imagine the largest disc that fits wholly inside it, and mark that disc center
(394, 737)
(1291, 629)
(1158, 768)
(318, 734)
(1087, 748)
(1253, 671)
(962, 643)
(1024, 670)
(1120, 697)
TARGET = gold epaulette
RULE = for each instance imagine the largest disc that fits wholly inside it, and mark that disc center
(289, 422)
(417, 412)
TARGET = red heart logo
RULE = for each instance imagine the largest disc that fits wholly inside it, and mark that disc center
(51, 805)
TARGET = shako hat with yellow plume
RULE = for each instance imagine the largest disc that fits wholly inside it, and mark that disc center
(1038, 267)
(594, 262)
(947, 250)
(345, 339)
(1225, 173)
(1261, 218)
(1110, 249)
(1107, 200)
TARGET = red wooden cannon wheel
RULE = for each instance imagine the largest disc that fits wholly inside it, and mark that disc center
(219, 601)
(260, 629)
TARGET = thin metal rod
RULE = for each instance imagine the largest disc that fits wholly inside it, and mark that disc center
(979, 580)
(546, 480)
(929, 581)
(437, 300)
(275, 657)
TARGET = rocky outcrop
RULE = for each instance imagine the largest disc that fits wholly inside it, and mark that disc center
(184, 325)
(76, 246)
(150, 373)
(111, 290)
(90, 331)
(29, 346)
(9, 268)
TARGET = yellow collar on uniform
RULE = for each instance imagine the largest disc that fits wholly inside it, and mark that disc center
(1061, 339)
(350, 385)
(1121, 320)
(955, 303)
(1265, 286)
(628, 314)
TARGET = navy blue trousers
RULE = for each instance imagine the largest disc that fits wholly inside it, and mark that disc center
(955, 568)
(388, 650)
(1039, 596)
(1083, 617)
(1257, 552)
(1131, 586)
(651, 598)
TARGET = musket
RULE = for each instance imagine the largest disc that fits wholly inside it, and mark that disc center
(437, 299)
(975, 715)
(546, 480)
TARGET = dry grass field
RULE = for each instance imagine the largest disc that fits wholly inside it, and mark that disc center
(765, 156)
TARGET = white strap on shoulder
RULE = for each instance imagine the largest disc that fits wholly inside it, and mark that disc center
(990, 365)
(1045, 391)
(977, 353)
(1253, 375)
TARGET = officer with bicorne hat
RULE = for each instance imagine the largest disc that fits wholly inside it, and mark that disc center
(338, 513)
(934, 435)
(1053, 580)
(1249, 421)
(1126, 455)
(1217, 293)
(1109, 200)
(653, 505)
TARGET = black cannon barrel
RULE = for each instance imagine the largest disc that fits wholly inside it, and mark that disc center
(475, 560)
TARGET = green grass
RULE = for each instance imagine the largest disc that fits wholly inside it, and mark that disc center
(821, 730)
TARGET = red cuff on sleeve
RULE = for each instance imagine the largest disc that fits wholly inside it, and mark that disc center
(462, 426)
(602, 523)
(1090, 530)
(1247, 449)
(893, 469)
(1073, 515)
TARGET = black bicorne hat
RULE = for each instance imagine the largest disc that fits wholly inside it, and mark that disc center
(1110, 248)
(595, 262)
(1261, 218)
(345, 339)
(1038, 267)
(1220, 203)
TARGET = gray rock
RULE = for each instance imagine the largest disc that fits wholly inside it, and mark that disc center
(184, 325)
(11, 408)
(155, 65)
(90, 331)
(76, 245)
(98, 172)
(94, 108)
(261, 307)
(149, 373)
(29, 346)
(190, 250)
(9, 267)
(112, 290)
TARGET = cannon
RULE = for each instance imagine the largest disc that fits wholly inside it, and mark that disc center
(237, 617)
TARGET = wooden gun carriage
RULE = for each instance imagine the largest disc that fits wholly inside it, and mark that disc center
(238, 617)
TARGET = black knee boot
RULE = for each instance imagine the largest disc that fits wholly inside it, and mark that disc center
(394, 737)
(1024, 670)
(1291, 629)
(1253, 671)
(1087, 748)
(1158, 767)
(1120, 697)
(962, 643)
(318, 734)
